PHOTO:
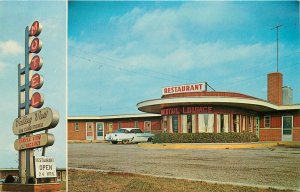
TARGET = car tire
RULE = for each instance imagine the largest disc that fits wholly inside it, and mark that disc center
(150, 139)
(125, 142)
(114, 142)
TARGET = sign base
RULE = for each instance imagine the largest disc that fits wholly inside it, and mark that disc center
(30, 187)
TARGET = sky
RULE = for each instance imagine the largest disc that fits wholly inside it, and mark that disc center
(14, 17)
(122, 53)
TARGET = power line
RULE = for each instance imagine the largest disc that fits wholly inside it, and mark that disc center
(102, 64)
(146, 70)
(128, 70)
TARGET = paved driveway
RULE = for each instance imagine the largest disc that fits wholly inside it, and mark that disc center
(275, 167)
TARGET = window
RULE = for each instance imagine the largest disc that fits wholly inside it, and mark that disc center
(222, 123)
(175, 124)
(122, 131)
(206, 123)
(188, 123)
(267, 121)
(76, 126)
(136, 131)
(119, 124)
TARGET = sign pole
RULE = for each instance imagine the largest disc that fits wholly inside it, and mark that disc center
(29, 152)
(21, 112)
(29, 122)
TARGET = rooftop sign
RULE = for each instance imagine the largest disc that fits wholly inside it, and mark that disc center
(198, 87)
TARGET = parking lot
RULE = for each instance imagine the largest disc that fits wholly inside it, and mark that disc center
(277, 167)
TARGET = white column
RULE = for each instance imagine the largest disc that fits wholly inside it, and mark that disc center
(184, 123)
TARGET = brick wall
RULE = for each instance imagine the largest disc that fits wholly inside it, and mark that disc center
(270, 135)
(81, 134)
(76, 135)
(296, 134)
(31, 187)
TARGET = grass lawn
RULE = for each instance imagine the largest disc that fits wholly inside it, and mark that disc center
(114, 182)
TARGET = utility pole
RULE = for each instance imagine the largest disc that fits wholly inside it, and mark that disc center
(277, 27)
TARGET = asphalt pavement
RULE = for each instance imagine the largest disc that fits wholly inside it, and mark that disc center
(277, 167)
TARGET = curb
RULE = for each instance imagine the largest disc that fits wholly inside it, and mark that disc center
(87, 141)
(219, 145)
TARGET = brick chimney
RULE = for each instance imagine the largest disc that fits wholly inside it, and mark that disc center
(275, 88)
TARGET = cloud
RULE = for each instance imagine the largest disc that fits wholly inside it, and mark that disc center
(2, 66)
(188, 56)
(148, 48)
(10, 47)
(176, 24)
(54, 27)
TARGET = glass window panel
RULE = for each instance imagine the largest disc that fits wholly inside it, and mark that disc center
(175, 123)
(267, 120)
(206, 123)
(189, 123)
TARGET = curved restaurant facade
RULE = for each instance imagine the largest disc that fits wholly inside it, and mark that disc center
(192, 109)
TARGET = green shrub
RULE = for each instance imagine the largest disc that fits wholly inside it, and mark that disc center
(205, 137)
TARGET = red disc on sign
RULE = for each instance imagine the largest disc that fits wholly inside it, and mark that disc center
(36, 63)
(37, 100)
(36, 45)
(35, 29)
(37, 81)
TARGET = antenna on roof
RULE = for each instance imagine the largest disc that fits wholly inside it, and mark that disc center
(277, 27)
(210, 86)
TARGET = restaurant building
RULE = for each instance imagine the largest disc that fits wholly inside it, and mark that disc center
(192, 108)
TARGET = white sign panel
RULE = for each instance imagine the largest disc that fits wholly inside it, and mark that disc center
(44, 167)
(198, 87)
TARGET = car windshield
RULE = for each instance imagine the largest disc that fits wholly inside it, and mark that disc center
(121, 131)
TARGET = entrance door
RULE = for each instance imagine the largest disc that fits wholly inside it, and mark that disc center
(100, 130)
(110, 127)
(287, 128)
(147, 126)
(90, 131)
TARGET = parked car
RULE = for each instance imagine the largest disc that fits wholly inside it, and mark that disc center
(129, 135)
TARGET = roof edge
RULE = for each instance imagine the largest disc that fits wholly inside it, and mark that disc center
(112, 116)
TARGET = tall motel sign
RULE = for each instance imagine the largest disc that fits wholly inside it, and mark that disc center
(29, 122)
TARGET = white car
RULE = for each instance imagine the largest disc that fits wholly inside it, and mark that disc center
(129, 135)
